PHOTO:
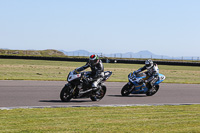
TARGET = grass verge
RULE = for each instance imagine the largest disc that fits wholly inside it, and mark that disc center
(183, 118)
(16, 69)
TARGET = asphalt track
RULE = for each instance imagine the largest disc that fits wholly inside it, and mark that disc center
(16, 94)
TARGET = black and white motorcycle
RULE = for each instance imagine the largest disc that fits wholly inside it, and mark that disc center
(80, 86)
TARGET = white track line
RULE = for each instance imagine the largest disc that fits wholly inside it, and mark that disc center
(111, 105)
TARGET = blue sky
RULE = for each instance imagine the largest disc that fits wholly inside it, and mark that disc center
(164, 27)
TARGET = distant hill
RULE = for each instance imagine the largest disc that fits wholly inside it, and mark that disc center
(141, 54)
(49, 52)
(62, 53)
(76, 53)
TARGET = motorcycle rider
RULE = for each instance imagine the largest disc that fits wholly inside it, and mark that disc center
(152, 73)
(97, 70)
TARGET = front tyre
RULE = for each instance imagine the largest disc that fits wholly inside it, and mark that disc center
(152, 91)
(65, 94)
(125, 90)
(99, 94)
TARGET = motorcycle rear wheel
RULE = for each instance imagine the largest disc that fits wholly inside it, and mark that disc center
(151, 93)
(99, 94)
(125, 90)
(65, 94)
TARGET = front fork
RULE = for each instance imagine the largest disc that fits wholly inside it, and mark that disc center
(72, 90)
(131, 86)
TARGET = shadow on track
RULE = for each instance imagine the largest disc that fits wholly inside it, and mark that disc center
(127, 96)
(59, 101)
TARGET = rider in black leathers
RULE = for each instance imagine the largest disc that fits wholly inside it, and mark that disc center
(152, 73)
(97, 70)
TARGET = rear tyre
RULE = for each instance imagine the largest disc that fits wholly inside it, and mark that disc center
(99, 94)
(125, 90)
(65, 94)
(152, 91)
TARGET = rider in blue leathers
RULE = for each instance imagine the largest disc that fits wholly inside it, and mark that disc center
(152, 73)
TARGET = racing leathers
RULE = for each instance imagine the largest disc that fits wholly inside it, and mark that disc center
(152, 75)
(96, 73)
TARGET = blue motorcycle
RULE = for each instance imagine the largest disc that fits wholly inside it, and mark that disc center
(137, 86)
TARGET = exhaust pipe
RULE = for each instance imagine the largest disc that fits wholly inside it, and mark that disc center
(85, 91)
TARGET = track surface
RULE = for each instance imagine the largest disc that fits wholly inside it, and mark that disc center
(46, 93)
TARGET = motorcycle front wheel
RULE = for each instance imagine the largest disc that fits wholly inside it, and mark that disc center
(99, 94)
(65, 94)
(125, 90)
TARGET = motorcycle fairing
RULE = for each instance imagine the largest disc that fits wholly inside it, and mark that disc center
(73, 76)
(141, 88)
(161, 79)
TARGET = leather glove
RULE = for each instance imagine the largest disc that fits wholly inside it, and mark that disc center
(76, 72)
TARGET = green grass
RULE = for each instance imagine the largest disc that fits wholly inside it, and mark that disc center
(184, 118)
(17, 69)
(97, 119)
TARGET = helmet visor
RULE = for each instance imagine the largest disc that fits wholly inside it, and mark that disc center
(148, 65)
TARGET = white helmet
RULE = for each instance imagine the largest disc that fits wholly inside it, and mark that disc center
(148, 63)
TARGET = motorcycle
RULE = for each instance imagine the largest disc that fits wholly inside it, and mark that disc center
(137, 86)
(80, 86)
